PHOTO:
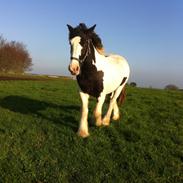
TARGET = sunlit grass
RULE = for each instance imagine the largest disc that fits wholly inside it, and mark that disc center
(38, 141)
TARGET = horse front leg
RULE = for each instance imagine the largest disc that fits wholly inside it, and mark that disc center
(83, 126)
(98, 110)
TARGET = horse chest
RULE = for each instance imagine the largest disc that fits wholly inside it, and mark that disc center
(90, 80)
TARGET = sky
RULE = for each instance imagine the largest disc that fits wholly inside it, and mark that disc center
(148, 33)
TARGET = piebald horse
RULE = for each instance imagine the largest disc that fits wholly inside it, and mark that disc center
(97, 75)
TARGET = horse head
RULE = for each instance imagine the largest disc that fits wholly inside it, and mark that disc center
(80, 39)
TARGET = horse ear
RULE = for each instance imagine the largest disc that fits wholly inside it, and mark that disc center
(91, 29)
(70, 28)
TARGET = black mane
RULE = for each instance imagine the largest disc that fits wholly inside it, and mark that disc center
(82, 31)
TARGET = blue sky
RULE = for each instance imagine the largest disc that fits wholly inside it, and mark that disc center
(148, 33)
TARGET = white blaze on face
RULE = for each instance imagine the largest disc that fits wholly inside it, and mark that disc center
(76, 47)
(76, 52)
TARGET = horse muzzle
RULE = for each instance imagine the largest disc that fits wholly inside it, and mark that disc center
(74, 69)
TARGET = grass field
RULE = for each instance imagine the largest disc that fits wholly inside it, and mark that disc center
(38, 141)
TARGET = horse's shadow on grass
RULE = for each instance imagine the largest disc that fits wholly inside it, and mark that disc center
(24, 105)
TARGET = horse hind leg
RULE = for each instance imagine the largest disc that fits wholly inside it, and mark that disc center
(120, 101)
(116, 114)
(112, 106)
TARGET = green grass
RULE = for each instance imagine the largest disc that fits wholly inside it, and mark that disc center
(38, 141)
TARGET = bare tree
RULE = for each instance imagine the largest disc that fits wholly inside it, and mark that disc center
(2, 41)
(14, 57)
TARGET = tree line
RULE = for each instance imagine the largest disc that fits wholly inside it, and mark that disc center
(167, 87)
(14, 57)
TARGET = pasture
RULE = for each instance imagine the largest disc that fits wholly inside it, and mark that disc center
(38, 141)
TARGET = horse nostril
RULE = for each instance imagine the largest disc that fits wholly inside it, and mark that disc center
(74, 69)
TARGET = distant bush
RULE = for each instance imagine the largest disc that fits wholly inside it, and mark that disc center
(133, 84)
(14, 57)
(171, 87)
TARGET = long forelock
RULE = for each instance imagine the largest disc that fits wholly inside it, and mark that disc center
(78, 31)
(81, 30)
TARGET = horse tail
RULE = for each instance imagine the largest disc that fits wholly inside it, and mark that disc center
(122, 96)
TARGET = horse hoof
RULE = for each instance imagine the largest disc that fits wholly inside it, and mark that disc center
(116, 117)
(83, 134)
(106, 122)
(98, 123)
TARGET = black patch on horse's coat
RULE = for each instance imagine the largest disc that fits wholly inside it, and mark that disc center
(124, 79)
(90, 80)
(91, 83)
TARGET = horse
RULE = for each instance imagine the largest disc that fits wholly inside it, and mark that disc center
(97, 75)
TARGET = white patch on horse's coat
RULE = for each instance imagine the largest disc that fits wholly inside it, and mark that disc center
(115, 68)
(93, 62)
